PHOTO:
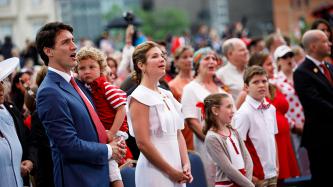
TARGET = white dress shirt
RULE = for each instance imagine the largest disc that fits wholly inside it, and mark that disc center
(231, 77)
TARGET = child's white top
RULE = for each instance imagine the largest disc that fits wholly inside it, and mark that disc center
(260, 127)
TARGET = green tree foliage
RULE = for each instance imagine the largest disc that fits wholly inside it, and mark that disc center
(158, 23)
(115, 11)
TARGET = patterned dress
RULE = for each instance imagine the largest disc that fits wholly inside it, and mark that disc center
(295, 115)
(287, 160)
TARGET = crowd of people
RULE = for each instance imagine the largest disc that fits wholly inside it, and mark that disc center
(256, 110)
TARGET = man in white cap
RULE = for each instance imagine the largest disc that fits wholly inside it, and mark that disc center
(313, 81)
(14, 162)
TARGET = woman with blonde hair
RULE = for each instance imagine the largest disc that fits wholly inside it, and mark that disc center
(154, 118)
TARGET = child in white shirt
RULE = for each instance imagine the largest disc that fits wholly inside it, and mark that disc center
(256, 123)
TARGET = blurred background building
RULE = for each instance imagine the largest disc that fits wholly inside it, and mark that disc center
(21, 19)
(292, 17)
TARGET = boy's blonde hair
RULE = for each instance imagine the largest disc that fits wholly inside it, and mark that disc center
(94, 54)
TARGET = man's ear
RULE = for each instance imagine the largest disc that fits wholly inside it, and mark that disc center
(229, 53)
(246, 87)
(48, 51)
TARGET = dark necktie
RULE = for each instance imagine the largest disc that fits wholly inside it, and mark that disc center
(327, 73)
(97, 122)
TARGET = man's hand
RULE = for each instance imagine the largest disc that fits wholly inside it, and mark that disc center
(26, 167)
(118, 149)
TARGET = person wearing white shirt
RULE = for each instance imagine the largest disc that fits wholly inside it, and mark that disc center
(256, 123)
(231, 75)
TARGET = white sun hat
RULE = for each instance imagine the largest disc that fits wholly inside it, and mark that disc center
(8, 66)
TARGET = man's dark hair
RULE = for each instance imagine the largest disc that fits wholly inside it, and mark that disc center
(46, 37)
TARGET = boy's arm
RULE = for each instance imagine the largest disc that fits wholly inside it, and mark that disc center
(117, 100)
(118, 121)
(242, 124)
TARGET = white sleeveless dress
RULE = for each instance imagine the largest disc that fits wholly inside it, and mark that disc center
(165, 119)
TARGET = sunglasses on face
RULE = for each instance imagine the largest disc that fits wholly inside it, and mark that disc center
(288, 55)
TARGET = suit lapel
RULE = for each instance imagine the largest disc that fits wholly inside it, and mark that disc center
(314, 69)
(64, 85)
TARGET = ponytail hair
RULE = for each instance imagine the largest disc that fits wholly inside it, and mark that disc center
(211, 101)
(140, 55)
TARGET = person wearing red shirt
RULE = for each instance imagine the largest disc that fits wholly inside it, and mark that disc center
(108, 99)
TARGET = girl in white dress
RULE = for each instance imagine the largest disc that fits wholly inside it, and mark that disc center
(154, 117)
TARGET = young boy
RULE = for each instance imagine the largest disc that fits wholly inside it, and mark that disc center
(256, 123)
(109, 100)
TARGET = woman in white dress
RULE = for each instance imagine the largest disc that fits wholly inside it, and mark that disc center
(194, 93)
(154, 117)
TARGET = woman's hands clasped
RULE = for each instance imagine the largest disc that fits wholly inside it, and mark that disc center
(187, 172)
(184, 176)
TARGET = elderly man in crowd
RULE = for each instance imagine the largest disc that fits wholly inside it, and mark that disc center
(235, 51)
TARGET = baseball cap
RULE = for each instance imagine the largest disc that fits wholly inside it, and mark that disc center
(282, 51)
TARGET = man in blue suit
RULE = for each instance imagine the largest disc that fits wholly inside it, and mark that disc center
(78, 156)
(314, 86)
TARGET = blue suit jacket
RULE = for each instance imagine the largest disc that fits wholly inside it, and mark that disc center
(78, 158)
